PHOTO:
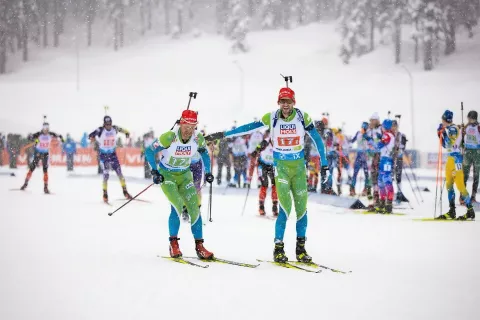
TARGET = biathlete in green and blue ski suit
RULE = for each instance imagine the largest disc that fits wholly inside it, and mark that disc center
(176, 179)
(288, 127)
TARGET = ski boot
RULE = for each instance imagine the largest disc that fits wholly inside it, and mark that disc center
(126, 194)
(279, 252)
(469, 215)
(202, 253)
(380, 207)
(401, 197)
(261, 208)
(246, 185)
(275, 208)
(388, 207)
(45, 189)
(300, 251)
(105, 196)
(185, 215)
(352, 191)
(451, 214)
(24, 185)
(174, 248)
(232, 185)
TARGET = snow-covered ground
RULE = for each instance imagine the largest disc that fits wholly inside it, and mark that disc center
(146, 85)
(63, 257)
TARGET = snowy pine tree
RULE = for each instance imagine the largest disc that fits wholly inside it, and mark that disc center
(237, 26)
(270, 14)
(353, 22)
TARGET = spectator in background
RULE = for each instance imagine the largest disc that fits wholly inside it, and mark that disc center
(2, 147)
(147, 141)
(13, 142)
(70, 148)
(84, 142)
(29, 149)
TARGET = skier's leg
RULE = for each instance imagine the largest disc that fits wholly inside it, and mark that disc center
(282, 182)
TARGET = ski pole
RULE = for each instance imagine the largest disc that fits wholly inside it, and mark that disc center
(441, 196)
(463, 126)
(415, 178)
(411, 186)
(190, 95)
(246, 198)
(111, 213)
(210, 194)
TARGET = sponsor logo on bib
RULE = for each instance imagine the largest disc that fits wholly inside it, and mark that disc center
(288, 129)
(183, 151)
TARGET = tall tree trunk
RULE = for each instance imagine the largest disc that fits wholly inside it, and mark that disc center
(167, 16)
(318, 10)
(372, 29)
(3, 42)
(301, 12)
(285, 5)
(450, 31)
(416, 47)
(179, 21)
(56, 23)
(428, 54)
(142, 17)
(45, 22)
(115, 31)
(398, 38)
(26, 14)
(121, 23)
(149, 15)
(89, 32)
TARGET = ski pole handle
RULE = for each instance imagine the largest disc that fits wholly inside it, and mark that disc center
(111, 213)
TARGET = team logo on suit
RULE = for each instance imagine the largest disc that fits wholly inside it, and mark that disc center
(183, 151)
(288, 129)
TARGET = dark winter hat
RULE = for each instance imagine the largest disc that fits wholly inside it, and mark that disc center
(448, 116)
(286, 93)
(45, 126)
(473, 115)
(107, 120)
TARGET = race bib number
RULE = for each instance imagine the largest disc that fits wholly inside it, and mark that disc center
(44, 145)
(387, 167)
(179, 162)
(109, 142)
(288, 141)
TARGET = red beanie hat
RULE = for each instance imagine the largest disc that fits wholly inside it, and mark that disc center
(286, 93)
(188, 117)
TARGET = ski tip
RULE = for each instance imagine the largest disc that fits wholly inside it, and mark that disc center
(110, 214)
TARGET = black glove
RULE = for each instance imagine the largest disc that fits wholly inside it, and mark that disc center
(61, 138)
(254, 154)
(209, 177)
(325, 174)
(215, 136)
(157, 177)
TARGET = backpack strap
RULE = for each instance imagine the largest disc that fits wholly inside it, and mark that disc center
(275, 119)
(300, 116)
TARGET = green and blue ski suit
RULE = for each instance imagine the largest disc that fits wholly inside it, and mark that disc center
(178, 184)
(289, 164)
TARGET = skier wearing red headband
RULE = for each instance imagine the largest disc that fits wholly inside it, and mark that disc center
(173, 174)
